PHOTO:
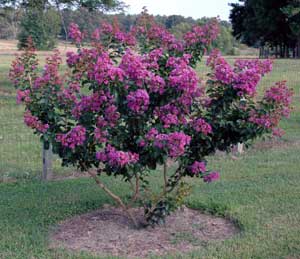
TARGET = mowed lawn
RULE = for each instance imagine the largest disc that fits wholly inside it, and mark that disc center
(259, 190)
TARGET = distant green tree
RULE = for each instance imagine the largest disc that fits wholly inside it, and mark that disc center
(37, 9)
(292, 12)
(180, 29)
(87, 20)
(225, 41)
(261, 22)
(91, 6)
(42, 27)
(174, 20)
(9, 22)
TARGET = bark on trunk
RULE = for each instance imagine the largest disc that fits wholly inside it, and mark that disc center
(116, 198)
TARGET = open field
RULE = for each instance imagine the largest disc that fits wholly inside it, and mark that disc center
(260, 190)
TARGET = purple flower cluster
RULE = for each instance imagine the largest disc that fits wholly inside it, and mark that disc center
(91, 103)
(213, 58)
(16, 73)
(117, 158)
(50, 76)
(151, 59)
(264, 120)
(138, 101)
(169, 115)
(200, 125)
(23, 96)
(197, 168)
(113, 32)
(75, 34)
(100, 135)
(174, 143)
(183, 77)
(280, 98)
(277, 132)
(152, 133)
(134, 68)
(261, 66)
(75, 137)
(82, 62)
(204, 34)
(279, 94)
(211, 177)
(224, 72)
(161, 36)
(245, 75)
(156, 84)
(104, 71)
(111, 115)
(246, 81)
(34, 123)
(72, 58)
(68, 96)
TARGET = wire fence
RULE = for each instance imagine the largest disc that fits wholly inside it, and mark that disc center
(21, 152)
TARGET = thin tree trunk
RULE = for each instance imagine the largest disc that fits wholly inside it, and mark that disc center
(14, 24)
(62, 20)
(47, 173)
(165, 177)
(136, 188)
(114, 196)
(260, 52)
(294, 52)
(287, 51)
(297, 51)
(280, 49)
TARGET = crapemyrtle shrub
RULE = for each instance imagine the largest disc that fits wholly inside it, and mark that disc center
(130, 102)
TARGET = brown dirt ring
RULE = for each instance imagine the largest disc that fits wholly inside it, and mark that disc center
(107, 231)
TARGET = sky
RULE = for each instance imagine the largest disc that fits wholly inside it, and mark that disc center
(193, 8)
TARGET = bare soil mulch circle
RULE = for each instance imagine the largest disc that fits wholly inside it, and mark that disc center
(108, 231)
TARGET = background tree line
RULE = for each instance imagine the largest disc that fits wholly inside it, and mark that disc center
(271, 25)
(44, 20)
(47, 21)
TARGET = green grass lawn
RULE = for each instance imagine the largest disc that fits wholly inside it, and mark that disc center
(260, 190)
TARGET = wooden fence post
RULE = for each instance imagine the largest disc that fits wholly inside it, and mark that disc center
(47, 163)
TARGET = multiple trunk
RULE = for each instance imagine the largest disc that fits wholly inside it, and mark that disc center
(280, 51)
